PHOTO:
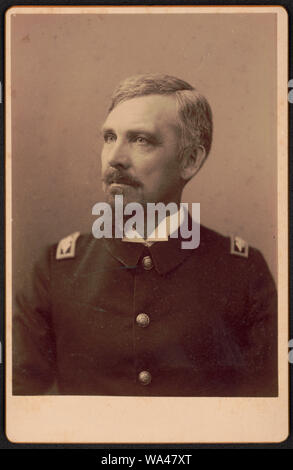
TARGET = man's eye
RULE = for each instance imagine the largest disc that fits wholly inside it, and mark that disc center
(109, 138)
(141, 140)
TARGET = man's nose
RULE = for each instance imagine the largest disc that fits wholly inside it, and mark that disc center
(119, 155)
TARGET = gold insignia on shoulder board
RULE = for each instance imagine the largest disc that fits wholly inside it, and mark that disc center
(66, 246)
(239, 247)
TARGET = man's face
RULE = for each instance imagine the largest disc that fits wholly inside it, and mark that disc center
(140, 156)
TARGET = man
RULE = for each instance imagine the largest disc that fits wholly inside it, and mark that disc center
(112, 317)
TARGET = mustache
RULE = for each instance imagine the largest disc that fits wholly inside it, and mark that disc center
(113, 175)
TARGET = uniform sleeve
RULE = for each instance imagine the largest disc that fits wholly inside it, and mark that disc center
(262, 329)
(34, 357)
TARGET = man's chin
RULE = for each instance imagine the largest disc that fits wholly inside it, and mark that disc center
(128, 192)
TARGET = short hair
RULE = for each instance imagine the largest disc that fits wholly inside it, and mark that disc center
(194, 112)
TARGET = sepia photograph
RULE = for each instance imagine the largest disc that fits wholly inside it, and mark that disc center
(146, 224)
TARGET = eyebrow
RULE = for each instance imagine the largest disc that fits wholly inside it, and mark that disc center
(104, 130)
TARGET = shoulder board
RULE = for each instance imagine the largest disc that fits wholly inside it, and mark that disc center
(238, 246)
(66, 246)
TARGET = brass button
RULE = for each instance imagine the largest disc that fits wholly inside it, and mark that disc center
(144, 377)
(142, 320)
(147, 263)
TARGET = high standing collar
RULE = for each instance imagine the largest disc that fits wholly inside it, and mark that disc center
(165, 255)
(126, 253)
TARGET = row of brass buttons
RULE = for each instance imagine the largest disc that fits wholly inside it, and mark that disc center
(143, 321)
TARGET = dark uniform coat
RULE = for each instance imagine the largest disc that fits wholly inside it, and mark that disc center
(115, 318)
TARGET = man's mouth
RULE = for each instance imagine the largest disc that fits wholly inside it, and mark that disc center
(119, 182)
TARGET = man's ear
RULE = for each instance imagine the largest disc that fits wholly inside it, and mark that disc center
(192, 161)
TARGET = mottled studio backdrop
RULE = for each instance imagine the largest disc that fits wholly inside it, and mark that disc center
(64, 68)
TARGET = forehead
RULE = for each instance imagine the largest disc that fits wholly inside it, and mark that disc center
(153, 112)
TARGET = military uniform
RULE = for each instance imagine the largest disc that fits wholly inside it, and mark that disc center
(111, 318)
